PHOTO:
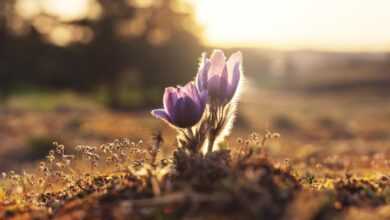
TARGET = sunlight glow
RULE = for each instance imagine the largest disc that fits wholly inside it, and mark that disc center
(351, 25)
(310, 24)
(68, 9)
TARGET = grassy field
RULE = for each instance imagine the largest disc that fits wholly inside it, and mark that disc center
(331, 161)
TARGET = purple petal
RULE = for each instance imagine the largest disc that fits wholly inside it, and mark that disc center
(223, 84)
(203, 96)
(190, 90)
(234, 59)
(214, 86)
(187, 112)
(199, 98)
(217, 61)
(169, 99)
(234, 72)
(180, 113)
(234, 82)
(201, 76)
(161, 114)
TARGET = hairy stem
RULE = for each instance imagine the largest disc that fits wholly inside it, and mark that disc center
(191, 139)
(215, 122)
(212, 138)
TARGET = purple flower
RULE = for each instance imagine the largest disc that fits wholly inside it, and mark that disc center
(183, 106)
(218, 76)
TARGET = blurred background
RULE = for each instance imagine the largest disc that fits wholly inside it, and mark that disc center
(89, 71)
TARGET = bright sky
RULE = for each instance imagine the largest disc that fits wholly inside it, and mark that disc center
(316, 24)
(357, 25)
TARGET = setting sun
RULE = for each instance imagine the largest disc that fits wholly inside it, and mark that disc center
(335, 25)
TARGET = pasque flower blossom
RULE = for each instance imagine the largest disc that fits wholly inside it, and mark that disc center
(219, 77)
(183, 106)
(203, 111)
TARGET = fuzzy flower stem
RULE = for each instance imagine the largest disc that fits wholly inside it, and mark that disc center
(212, 138)
(193, 142)
(216, 121)
(212, 130)
(190, 139)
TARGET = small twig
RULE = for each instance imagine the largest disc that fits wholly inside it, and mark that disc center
(78, 183)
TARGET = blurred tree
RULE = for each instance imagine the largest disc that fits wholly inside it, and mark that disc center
(128, 48)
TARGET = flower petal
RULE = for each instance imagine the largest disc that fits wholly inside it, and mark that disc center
(161, 114)
(214, 86)
(203, 96)
(217, 61)
(169, 100)
(187, 113)
(201, 76)
(234, 82)
(190, 90)
(223, 85)
(233, 60)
